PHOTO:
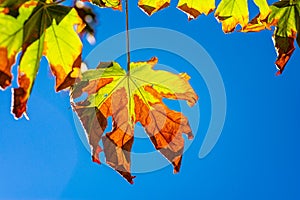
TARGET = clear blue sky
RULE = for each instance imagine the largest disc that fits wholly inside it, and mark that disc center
(257, 156)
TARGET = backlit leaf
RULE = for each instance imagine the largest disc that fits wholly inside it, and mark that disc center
(130, 98)
(231, 13)
(285, 16)
(234, 12)
(49, 31)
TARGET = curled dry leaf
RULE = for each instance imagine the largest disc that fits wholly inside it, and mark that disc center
(285, 16)
(130, 98)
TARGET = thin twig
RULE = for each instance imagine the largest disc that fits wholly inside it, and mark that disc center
(127, 37)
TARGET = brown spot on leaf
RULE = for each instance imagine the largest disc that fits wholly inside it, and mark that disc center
(191, 11)
(64, 80)
(285, 48)
(5, 10)
(177, 163)
(5, 67)
(19, 103)
(20, 96)
(95, 85)
(257, 24)
(150, 10)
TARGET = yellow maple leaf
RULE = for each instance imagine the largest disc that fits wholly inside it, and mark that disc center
(234, 12)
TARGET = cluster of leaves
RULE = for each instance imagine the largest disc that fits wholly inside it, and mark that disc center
(131, 97)
(137, 96)
(47, 28)
(283, 15)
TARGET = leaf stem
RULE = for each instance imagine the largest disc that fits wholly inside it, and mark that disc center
(127, 37)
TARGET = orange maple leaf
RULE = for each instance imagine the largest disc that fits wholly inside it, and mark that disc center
(130, 98)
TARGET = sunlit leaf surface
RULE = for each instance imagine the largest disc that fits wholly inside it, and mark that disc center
(130, 98)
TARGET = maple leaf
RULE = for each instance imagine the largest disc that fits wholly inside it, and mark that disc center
(234, 12)
(130, 98)
(285, 16)
(114, 4)
(40, 29)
